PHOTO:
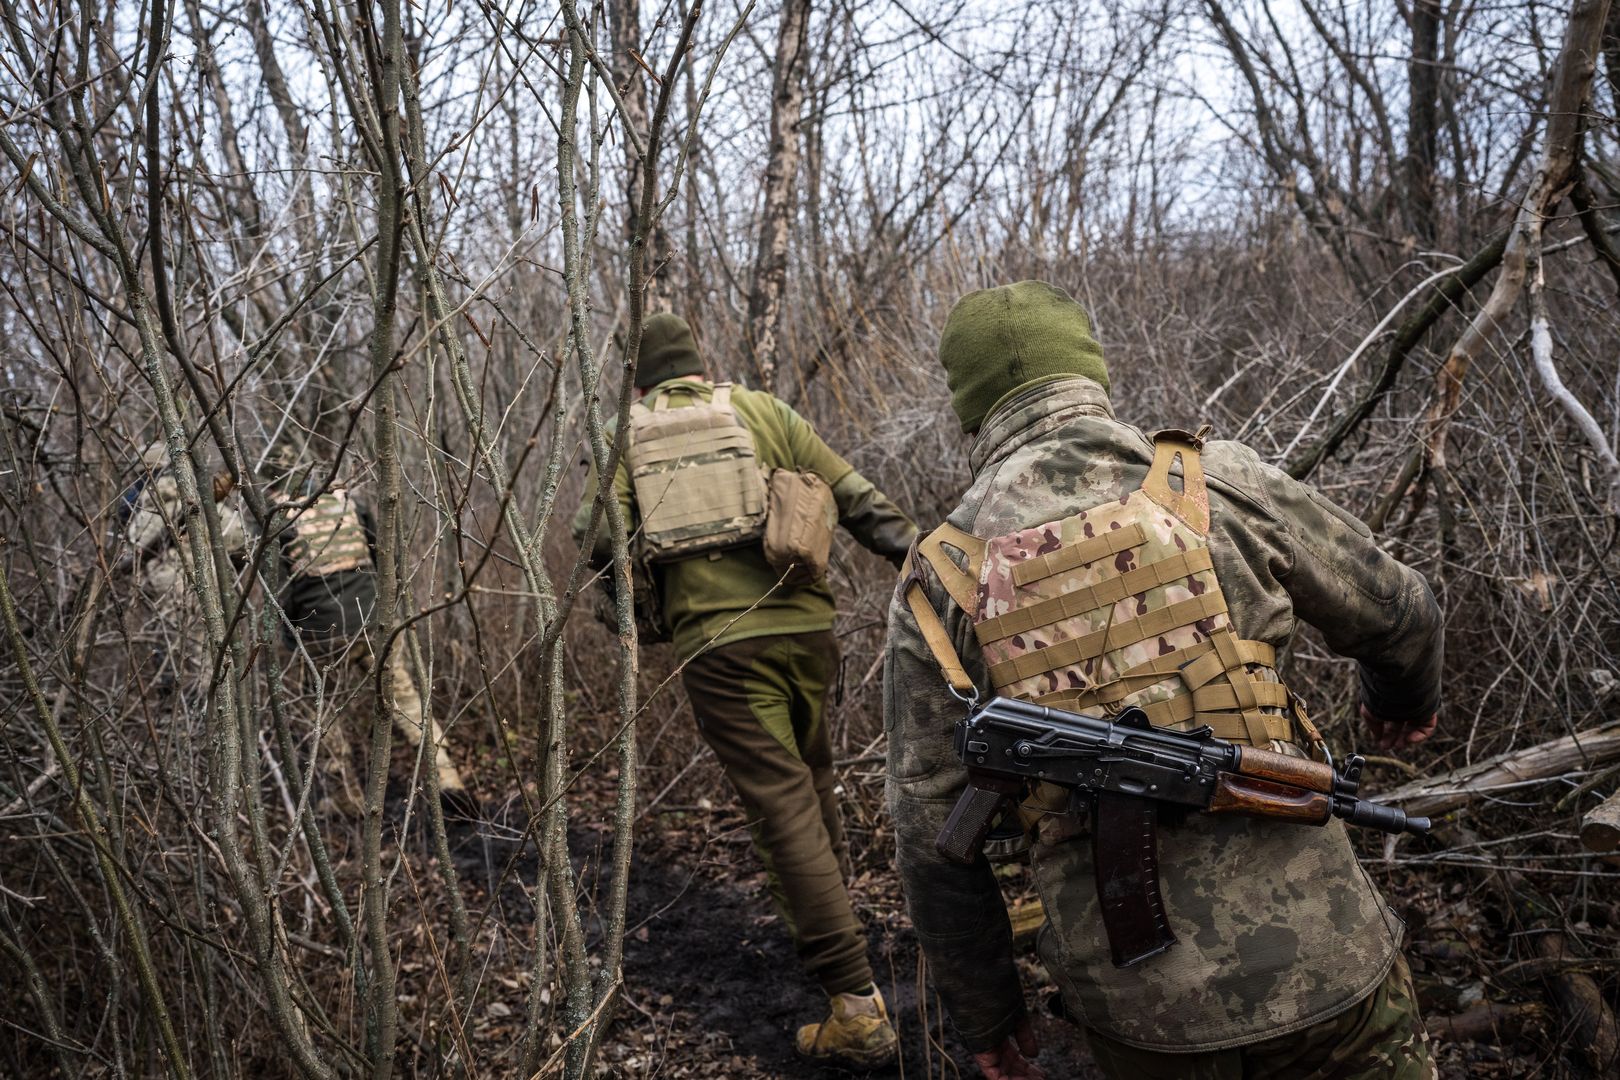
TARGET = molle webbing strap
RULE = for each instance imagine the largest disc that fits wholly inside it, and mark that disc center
(938, 639)
(329, 537)
(1232, 707)
(1074, 556)
(1184, 711)
(961, 582)
(721, 396)
(1120, 635)
(722, 497)
(1191, 503)
(1074, 604)
(693, 443)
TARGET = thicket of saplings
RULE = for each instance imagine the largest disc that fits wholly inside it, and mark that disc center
(129, 928)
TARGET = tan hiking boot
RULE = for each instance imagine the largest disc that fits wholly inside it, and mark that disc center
(857, 1032)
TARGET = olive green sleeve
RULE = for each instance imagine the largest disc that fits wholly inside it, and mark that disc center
(958, 912)
(602, 547)
(871, 517)
(1368, 605)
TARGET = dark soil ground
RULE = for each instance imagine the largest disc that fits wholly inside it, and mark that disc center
(714, 988)
(723, 961)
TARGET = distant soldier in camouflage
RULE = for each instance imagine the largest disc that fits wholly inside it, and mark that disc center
(760, 656)
(1093, 567)
(157, 556)
(330, 590)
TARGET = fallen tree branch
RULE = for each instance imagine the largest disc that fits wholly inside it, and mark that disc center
(1600, 828)
(1592, 1030)
(1505, 772)
(1484, 1022)
(1448, 292)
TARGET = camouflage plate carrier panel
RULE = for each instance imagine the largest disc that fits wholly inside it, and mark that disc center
(328, 538)
(1119, 605)
(697, 481)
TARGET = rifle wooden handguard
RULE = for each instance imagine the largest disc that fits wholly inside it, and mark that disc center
(1261, 798)
(1282, 769)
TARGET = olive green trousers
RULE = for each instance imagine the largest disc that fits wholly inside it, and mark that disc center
(1381, 1037)
(760, 704)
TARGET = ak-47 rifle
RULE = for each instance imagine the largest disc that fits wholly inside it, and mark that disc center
(1121, 768)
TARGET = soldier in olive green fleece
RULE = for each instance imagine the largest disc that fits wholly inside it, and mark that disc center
(759, 660)
(1286, 962)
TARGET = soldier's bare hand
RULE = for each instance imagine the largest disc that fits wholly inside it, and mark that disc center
(1010, 1060)
(1392, 735)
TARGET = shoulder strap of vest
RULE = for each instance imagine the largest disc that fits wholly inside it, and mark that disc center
(1191, 503)
(722, 395)
(961, 584)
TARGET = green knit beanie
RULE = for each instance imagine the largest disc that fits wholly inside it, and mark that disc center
(667, 351)
(997, 340)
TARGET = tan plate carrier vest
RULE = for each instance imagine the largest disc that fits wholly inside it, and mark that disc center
(696, 478)
(1116, 605)
(328, 538)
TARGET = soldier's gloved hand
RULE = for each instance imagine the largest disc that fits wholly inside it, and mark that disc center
(1010, 1060)
(1394, 734)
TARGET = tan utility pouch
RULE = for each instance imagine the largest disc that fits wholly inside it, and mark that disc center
(697, 482)
(800, 517)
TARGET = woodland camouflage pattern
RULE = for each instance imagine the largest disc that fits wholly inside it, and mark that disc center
(328, 538)
(1380, 1038)
(1165, 537)
(1279, 928)
(996, 594)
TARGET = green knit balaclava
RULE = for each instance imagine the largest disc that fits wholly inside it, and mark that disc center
(999, 340)
(667, 351)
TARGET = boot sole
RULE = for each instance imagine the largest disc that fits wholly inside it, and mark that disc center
(869, 1059)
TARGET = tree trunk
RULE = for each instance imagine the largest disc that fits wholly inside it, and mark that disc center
(625, 16)
(1566, 111)
(1422, 119)
(781, 173)
(1592, 1031)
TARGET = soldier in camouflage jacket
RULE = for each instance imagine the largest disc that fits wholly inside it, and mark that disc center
(330, 590)
(1288, 961)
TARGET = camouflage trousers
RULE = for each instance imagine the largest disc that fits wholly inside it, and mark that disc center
(337, 744)
(1381, 1037)
(760, 704)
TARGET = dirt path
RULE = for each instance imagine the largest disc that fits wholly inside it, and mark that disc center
(713, 986)
(735, 993)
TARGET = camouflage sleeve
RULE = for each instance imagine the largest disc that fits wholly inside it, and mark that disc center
(958, 912)
(1368, 605)
(155, 508)
(871, 517)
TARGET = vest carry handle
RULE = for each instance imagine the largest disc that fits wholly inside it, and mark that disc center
(1191, 503)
